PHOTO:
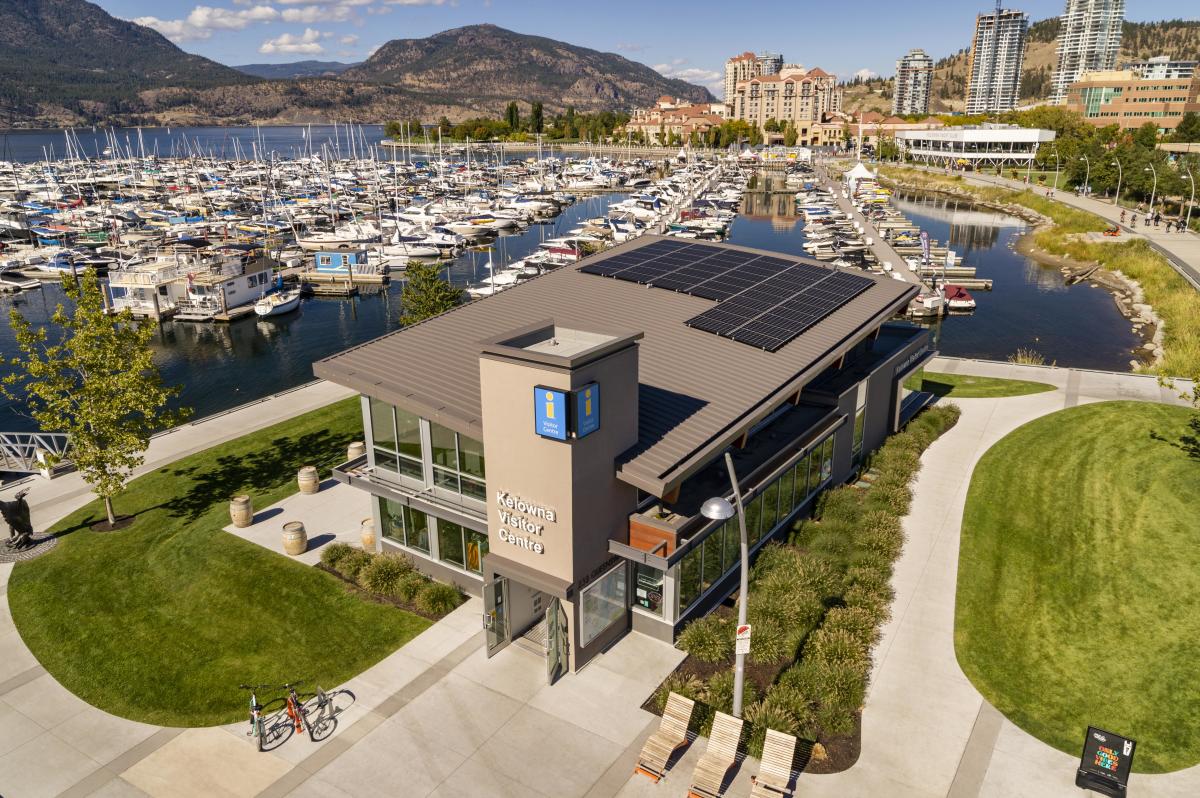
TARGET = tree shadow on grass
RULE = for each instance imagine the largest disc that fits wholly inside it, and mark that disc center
(255, 472)
(1187, 442)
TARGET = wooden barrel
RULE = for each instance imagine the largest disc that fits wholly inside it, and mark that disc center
(308, 480)
(241, 511)
(356, 450)
(295, 539)
(367, 534)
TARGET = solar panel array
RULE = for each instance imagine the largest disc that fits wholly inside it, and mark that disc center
(762, 301)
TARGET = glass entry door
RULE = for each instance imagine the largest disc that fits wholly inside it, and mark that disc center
(495, 614)
(557, 648)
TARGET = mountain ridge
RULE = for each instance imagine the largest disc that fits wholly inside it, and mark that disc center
(296, 69)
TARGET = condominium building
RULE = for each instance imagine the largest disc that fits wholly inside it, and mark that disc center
(997, 55)
(747, 66)
(1089, 40)
(1124, 98)
(914, 79)
(1162, 67)
(673, 116)
(797, 95)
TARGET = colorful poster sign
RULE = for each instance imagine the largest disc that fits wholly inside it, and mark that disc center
(550, 413)
(1106, 761)
(587, 410)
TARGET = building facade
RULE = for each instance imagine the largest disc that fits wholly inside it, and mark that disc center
(997, 56)
(1089, 40)
(1124, 98)
(1162, 67)
(549, 447)
(804, 97)
(974, 146)
(671, 117)
(914, 80)
(749, 65)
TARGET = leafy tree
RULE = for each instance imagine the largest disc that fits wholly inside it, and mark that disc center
(393, 129)
(93, 378)
(1146, 136)
(444, 126)
(512, 115)
(425, 293)
(771, 125)
(790, 135)
(1188, 129)
(535, 118)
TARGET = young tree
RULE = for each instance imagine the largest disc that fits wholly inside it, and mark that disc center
(93, 378)
(425, 293)
(790, 135)
(1188, 129)
(535, 118)
(393, 129)
(512, 115)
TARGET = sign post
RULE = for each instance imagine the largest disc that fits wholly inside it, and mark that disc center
(1105, 764)
(742, 645)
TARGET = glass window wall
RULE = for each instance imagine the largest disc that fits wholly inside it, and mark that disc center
(602, 603)
(451, 547)
(404, 525)
(648, 588)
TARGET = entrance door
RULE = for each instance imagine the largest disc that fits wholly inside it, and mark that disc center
(495, 614)
(557, 647)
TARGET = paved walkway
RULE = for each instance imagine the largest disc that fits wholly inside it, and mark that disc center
(1181, 249)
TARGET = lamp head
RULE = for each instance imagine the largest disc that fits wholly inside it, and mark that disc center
(717, 509)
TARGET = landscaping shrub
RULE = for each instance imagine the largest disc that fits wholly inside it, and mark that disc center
(688, 686)
(708, 639)
(332, 554)
(383, 573)
(409, 585)
(839, 504)
(438, 598)
(768, 713)
(862, 623)
(352, 562)
(718, 692)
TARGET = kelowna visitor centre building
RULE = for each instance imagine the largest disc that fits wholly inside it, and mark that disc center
(549, 447)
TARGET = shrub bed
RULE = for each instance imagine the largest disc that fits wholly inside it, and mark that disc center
(391, 577)
(817, 606)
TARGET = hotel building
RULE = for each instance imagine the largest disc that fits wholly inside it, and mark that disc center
(1089, 40)
(549, 447)
(1123, 98)
(997, 56)
(914, 80)
(804, 97)
(748, 65)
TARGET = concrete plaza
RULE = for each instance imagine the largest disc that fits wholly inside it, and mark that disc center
(438, 718)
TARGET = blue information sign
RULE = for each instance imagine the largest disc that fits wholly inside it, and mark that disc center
(550, 413)
(587, 410)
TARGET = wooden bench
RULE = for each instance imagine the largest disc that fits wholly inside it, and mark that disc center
(670, 737)
(775, 771)
(721, 755)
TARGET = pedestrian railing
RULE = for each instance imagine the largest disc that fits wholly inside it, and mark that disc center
(29, 452)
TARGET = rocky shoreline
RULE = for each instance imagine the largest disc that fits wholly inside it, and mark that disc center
(1126, 292)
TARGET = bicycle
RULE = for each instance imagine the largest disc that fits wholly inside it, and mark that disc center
(295, 709)
(256, 719)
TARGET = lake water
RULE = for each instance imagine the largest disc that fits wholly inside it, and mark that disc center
(223, 365)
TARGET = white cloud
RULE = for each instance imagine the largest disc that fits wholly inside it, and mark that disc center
(866, 74)
(711, 79)
(203, 20)
(309, 14)
(307, 43)
(349, 39)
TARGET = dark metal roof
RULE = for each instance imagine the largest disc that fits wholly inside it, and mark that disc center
(698, 391)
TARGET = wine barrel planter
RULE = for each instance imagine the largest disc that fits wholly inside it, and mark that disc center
(355, 450)
(308, 480)
(367, 534)
(241, 511)
(295, 539)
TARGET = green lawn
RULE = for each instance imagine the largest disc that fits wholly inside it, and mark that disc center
(161, 621)
(962, 386)
(1079, 579)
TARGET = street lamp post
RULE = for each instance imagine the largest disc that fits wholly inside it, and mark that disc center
(1187, 223)
(1055, 189)
(1154, 186)
(1120, 173)
(1087, 174)
(719, 509)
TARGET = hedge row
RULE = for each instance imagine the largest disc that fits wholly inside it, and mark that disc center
(391, 576)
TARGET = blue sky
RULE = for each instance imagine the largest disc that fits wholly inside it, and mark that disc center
(690, 40)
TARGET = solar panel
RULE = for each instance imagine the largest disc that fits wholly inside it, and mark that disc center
(762, 301)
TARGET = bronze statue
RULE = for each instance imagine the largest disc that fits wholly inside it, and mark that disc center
(20, 528)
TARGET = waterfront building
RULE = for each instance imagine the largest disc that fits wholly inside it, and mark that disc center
(804, 97)
(914, 79)
(1162, 67)
(748, 65)
(974, 146)
(549, 447)
(873, 127)
(1122, 97)
(997, 56)
(1089, 40)
(671, 115)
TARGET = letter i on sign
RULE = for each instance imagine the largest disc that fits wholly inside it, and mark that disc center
(549, 405)
(587, 402)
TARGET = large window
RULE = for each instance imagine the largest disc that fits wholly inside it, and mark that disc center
(404, 525)
(602, 603)
(860, 421)
(451, 546)
(396, 435)
(648, 591)
(457, 462)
